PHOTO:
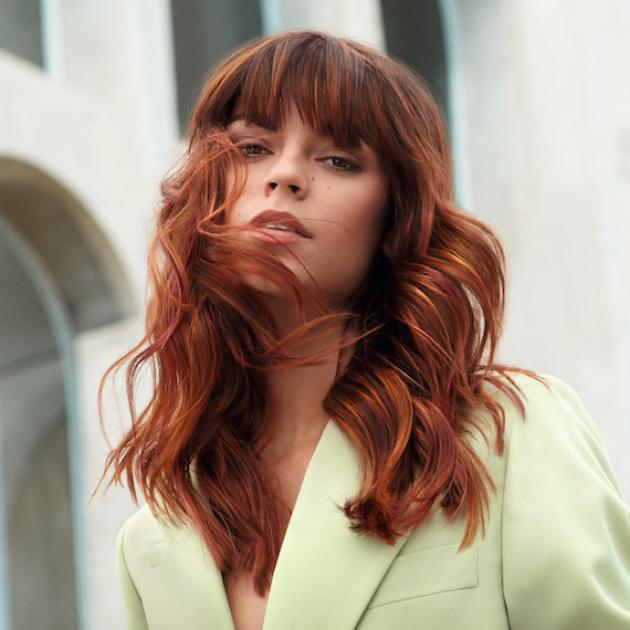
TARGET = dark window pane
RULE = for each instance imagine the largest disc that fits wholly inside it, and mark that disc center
(204, 31)
(21, 29)
(413, 34)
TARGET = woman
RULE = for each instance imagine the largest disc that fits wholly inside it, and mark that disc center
(329, 443)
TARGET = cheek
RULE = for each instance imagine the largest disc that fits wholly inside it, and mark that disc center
(360, 217)
(236, 211)
(365, 214)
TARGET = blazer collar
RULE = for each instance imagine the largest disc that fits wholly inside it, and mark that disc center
(325, 574)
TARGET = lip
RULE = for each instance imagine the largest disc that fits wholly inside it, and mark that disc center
(271, 215)
(277, 236)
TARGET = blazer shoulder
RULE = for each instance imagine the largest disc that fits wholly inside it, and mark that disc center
(550, 404)
(555, 411)
(529, 386)
(554, 421)
(563, 513)
(143, 529)
(530, 391)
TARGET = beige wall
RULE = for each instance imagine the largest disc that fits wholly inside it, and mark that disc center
(548, 126)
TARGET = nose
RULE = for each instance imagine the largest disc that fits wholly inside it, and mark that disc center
(286, 175)
(294, 188)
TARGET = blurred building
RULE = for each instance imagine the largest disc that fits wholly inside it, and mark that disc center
(94, 103)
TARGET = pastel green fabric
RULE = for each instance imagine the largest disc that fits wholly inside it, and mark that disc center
(555, 555)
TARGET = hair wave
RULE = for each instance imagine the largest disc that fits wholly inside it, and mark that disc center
(426, 320)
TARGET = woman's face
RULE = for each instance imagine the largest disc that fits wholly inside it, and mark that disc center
(338, 195)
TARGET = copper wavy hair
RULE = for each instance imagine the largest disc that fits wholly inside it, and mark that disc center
(423, 319)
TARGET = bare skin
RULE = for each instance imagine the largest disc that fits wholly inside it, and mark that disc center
(296, 170)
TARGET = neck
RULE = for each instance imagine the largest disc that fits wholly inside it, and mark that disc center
(296, 396)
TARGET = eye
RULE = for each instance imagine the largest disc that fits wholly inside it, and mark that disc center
(342, 164)
(251, 150)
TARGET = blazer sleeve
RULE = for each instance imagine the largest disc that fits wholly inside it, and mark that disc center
(566, 528)
(134, 610)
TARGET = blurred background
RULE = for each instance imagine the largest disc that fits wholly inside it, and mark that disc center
(95, 97)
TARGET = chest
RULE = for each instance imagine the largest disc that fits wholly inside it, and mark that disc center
(246, 605)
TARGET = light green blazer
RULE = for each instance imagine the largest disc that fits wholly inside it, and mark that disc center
(555, 556)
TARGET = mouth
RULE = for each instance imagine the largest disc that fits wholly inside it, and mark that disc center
(278, 235)
(280, 225)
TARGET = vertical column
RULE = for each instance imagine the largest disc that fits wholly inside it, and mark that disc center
(451, 28)
(120, 54)
(52, 40)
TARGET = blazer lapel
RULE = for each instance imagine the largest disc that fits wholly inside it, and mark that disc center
(192, 594)
(326, 573)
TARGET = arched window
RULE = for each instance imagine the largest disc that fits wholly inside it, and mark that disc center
(60, 276)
